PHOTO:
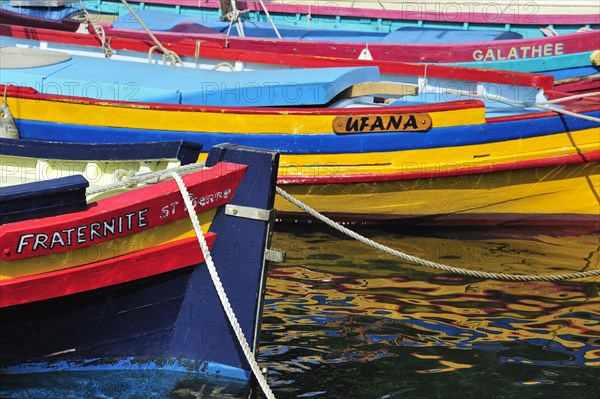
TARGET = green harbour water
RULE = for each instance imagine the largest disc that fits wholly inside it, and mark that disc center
(343, 320)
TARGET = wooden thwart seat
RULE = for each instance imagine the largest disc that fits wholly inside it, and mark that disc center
(379, 88)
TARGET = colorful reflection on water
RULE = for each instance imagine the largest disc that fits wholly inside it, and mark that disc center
(344, 319)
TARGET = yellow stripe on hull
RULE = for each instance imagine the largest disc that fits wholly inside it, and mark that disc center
(205, 121)
(567, 189)
(171, 232)
(440, 159)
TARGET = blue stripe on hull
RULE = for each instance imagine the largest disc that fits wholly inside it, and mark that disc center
(317, 143)
(574, 72)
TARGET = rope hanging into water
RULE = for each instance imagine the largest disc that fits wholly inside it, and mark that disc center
(430, 264)
(157, 176)
(175, 59)
(214, 275)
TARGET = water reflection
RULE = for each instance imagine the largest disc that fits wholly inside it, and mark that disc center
(138, 384)
(338, 311)
(343, 320)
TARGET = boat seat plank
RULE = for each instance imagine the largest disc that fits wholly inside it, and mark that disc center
(379, 88)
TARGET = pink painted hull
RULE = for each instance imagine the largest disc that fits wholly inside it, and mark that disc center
(527, 13)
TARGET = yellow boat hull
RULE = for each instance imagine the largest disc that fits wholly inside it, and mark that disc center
(558, 194)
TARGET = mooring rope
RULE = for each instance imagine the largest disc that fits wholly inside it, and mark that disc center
(175, 59)
(152, 177)
(573, 97)
(99, 30)
(234, 16)
(264, 7)
(214, 275)
(8, 128)
(430, 264)
(541, 104)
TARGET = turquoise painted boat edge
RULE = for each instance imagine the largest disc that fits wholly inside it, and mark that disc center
(539, 65)
(159, 21)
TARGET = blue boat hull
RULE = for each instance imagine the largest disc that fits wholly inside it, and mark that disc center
(95, 330)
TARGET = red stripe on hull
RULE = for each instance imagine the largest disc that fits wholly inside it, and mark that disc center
(582, 86)
(537, 48)
(106, 273)
(120, 215)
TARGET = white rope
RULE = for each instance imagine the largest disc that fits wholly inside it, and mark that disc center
(542, 104)
(269, 18)
(235, 15)
(224, 64)
(8, 128)
(197, 53)
(569, 98)
(430, 264)
(221, 291)
(227, 34)
(152, 177)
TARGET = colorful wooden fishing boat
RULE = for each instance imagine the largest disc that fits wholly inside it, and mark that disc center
(121, 283)
(522, 16)
(207, 57)
(428, 155)
(572, 64)
(565, 53)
